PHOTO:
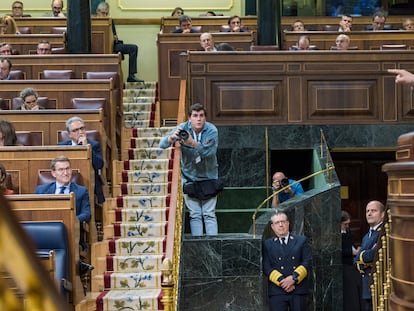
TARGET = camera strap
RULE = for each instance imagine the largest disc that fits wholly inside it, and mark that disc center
(196, 137)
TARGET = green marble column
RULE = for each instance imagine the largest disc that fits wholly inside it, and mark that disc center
(269, 20)
(79, 27)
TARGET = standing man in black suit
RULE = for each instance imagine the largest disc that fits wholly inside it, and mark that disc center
(287, 259)
(102, 10)
(77, 133)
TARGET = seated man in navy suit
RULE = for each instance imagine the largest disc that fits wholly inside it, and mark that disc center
(77, 133)
(62, 172)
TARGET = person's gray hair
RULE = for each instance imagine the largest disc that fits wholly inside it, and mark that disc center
(102, 5)
(71, 120)
(28, 92)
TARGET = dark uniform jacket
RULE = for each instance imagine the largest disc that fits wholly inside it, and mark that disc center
(281, 261)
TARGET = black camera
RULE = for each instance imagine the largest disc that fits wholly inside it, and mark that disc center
(182, 134)
(284, 182)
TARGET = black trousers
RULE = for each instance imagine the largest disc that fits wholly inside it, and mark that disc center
(352, 289)
(132, 51)
(287, 302)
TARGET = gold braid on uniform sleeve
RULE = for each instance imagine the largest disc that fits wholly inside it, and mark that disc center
(301, 272)
(274, 276)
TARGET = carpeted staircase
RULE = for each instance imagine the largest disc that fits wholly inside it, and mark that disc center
(135, 220)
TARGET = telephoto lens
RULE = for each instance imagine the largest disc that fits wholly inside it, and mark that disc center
(183, 135)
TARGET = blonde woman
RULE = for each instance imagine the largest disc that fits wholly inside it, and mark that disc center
(8, 26)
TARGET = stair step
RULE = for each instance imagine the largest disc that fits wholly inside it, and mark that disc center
(148, 300)
(146, 189)
(136, 215)
(150, 153)
(132, 246)
(117, 280)
(140, 230)
(148, 164)
(143, 201)
(146, 176)
(151, 132)
(137, 263)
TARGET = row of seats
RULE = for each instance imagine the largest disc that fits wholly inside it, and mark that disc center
(53, 30)
(76, 103)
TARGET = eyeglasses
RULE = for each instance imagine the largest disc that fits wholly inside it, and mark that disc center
(82, 128)
(63, 169)
(31, 102)
(44, 49)
(280, 222)
(18, 7)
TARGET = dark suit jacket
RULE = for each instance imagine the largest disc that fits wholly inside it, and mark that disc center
(83, 207)
(179, 30)
(364, 259)
(97, 163)
(298, 252)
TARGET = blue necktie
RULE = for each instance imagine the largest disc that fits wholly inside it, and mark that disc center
(62, 189)
(371, 231)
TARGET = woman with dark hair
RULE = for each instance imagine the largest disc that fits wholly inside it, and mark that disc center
(3, 181)
(177, 12)
(7, 134)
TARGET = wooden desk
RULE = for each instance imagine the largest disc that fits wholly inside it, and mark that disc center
(364, 40)
(27, 44)
(54, 208)
(50, 123)
(170, 46)
(101, 30)
(317, 87)
(208, 23)
(62, 91)
(359, 23)
(33, 65)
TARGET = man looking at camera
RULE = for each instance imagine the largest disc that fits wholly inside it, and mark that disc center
(199, 142)
(279, 182)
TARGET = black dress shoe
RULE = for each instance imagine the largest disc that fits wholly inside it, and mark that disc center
(133, 79)
(85, 267)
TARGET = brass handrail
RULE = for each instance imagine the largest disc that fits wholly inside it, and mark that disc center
(330, 168)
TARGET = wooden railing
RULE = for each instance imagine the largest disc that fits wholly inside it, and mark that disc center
(17, 258)
(175, 224)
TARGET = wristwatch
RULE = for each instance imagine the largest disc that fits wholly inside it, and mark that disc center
(295, 277)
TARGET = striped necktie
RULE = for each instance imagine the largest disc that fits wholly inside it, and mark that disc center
(62, 189)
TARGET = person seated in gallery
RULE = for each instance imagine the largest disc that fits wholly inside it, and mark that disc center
(177, 12)
(408, 24)
(17, 10)
(29, 97)
(235, 25)
(8, 26)
(185, 25)
(298, 26)
(345, 24)
(224, 46)
(342, 42)
(303, 44)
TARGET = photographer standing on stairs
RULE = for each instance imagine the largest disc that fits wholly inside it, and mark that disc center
(280, 181)
(199, 168)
